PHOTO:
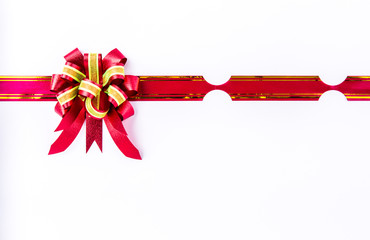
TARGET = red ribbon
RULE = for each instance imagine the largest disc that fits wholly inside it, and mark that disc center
(74, 111)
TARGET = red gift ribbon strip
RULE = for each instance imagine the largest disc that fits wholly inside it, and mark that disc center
(194, 88)
(96, 89)
(249, 88)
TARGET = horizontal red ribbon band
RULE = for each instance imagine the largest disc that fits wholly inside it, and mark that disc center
(194, 88)
(94, 89)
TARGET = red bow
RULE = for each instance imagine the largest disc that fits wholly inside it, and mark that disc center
(94, 89)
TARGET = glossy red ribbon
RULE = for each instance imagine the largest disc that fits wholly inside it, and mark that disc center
(75, 112)
(194, 88)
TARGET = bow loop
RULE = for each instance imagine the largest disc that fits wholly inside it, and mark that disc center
(58, 83)
(75, 57)
(114, 75)
(125, 110)
(73, 72)
(89, 88)
(113, 58)
(131, 85)
(65, 97)
(116, 95)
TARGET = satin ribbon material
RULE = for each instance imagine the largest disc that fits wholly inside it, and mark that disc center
(249, 88)
(94, 89)
(194, 88)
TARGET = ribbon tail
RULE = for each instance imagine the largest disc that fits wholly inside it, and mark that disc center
(71, 115)
(119, 135)
(94, 132)
(68, 135)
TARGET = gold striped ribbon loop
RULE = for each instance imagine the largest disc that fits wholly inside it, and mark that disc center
(89, 88)
(92, 86)
(73, 72)
(115, 95)
(66, 96)
(93, 111)
(112, 73)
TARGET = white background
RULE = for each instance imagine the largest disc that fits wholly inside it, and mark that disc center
(211, 170)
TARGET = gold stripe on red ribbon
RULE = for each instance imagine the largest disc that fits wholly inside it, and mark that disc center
(67, 96)
(115, 70)
(93, 62)
(116, 94)
(90, 87)
(73, 73)
(93, 111)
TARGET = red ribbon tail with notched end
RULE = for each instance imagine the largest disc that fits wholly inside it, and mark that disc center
(69, 132)
(119, 135)
(94, 132)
